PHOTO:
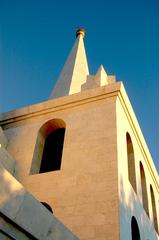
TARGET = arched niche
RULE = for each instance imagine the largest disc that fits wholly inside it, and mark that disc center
(154, 212)
(49, 147)
(135, 233)
(47, 206)
(144, 189)
(131, 162)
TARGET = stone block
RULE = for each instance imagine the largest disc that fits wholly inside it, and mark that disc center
(7, 160)
(34, 217)
(11, 194)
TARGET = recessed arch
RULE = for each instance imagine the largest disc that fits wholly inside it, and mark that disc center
(49, 147)
(144, 189)
(154, 212)
(131, 162)
(47, 206)
(135, 233)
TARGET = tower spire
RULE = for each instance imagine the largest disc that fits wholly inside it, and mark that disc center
(75, 70)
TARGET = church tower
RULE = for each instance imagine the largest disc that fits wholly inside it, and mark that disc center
(83, 154)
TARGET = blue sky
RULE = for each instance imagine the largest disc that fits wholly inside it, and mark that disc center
(36, 37)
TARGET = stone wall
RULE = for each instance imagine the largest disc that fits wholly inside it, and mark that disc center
(84, 193)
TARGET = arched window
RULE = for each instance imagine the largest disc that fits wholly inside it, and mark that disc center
(49, 146)
(154, 209)
(131, 162)
(46, 205)
(135, 233)
(144, 189)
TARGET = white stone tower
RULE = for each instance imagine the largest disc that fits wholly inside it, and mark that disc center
(82, 152)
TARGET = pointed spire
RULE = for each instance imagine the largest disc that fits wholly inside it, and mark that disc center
(75, 70)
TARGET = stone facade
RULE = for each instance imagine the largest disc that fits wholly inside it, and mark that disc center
(91, 194)
(21, 215)
(106, 186)
(84, 193)
(132, 202)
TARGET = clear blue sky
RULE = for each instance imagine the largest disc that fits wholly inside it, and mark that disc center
(36, 37)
